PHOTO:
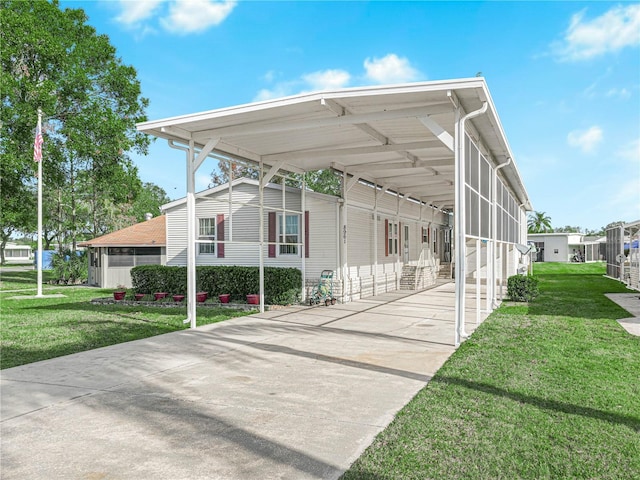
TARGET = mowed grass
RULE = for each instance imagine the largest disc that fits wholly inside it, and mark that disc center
(36, 329)
(548, 390)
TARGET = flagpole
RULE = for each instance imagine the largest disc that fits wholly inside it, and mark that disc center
(39, 292)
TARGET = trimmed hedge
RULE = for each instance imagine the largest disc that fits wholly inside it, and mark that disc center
(522, 288)
(282, 286)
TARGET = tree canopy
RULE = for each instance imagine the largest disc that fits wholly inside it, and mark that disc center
(321, 181)
(539, 222)
(53, 60)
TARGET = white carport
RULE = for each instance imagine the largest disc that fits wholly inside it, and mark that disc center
(437, 143)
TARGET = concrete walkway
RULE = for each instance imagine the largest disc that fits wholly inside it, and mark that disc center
(296, 393)
(631, 303)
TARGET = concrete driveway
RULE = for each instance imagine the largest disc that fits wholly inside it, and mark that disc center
(296, 393)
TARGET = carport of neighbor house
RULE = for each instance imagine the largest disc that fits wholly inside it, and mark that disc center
(296, 393)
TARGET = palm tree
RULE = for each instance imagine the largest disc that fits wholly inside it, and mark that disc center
(538, 222)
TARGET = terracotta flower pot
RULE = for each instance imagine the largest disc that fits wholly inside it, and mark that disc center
(160, 295)
(253, 299)
(119, 295)
(138, 296)
(201, 296)
(178, 298)
(224, 298)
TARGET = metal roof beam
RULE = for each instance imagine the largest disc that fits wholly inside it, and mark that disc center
(441, 182)
(373, 133)
(272, 171)
(339, 152)
(204, 153)
(333, 106)
(381, 166)
(405, 175)
(435, 128)
(438, 199)
(351, 183)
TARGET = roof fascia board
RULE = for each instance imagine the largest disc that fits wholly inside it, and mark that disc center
(455, 84)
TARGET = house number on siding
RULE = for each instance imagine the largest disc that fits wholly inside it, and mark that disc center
(344, 233)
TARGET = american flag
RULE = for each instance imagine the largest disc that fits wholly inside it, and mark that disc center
(37, 144)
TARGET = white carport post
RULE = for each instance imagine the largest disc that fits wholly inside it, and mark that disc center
(303, 231)
(263, 180)
(460, 219)
(191, 236)
(193, 163)
(346, 186)
(261, 235)
(343, 234)
(375, 240)
(478, 279)
(459, 226)
(494, 235)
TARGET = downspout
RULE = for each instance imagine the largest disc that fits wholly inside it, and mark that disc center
(495, 235)
(460, 219)
(191, 251)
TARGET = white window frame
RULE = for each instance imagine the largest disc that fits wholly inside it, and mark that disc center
(207, 248)
(392, 236)
(281, 249)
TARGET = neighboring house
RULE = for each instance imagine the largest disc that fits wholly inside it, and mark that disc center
(112, 256)
(565, 247)
(623, 253)
(374, 248)
(17, 253)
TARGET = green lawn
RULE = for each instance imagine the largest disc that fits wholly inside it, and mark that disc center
(545, 390)
(38, 329)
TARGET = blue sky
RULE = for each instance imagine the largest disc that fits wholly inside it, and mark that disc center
(565, 76)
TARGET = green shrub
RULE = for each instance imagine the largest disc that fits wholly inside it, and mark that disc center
(522, 288)
(70, 267)
(282, 286)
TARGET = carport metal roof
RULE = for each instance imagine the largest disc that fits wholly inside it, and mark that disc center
(406, 138)
(400, 136)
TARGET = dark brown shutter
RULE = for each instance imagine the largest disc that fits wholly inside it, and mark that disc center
(386, 237)
(272, 234)
(306, 234)
(220, 234)
(400, 249)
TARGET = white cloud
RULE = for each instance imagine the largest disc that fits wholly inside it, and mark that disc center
(134, 12)
(270, 76)
(610, 32)
(177, 16)
(631, 151)
(327, 79)
(390, 69)
(622, 93)
(624, 197)
(283, 89)
(189, 16)
(586, 140)
(314, 81)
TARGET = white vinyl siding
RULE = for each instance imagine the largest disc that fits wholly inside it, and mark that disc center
(243, 229)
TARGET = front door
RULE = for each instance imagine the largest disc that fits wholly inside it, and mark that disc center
(405, 246)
